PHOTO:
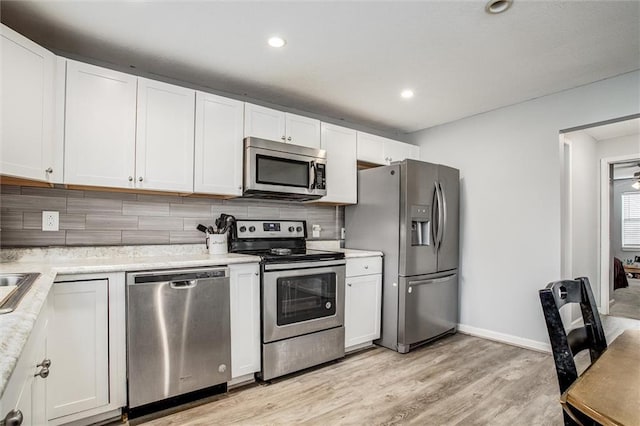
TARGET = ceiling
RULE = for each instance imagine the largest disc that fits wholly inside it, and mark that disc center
(615, 130)
(350, 59)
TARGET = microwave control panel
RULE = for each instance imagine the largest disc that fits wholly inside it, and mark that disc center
(321, 176)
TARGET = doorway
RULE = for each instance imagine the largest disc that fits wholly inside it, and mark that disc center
(623, 291)
(591, 201)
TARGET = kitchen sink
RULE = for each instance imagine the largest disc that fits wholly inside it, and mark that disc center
(12, 288)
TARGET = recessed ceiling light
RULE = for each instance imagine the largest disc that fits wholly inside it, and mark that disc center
(497, 6)
(407, 94)
(277, 42)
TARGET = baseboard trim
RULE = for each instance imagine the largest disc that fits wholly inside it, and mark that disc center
(505, 338)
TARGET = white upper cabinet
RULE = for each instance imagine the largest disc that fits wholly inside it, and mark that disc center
(164, 136)
(100, 126)
(264, 123)
(303, 131)
(397, 151)
(267, 123)
(218, 146)
(371, 148)
(28, 109)
(342, 177)
(378, 150)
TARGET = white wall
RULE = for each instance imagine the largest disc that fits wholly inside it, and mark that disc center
(585, 209)
(510, 167)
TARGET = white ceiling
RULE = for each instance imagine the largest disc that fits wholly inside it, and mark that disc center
(350, 59)
(616, 130)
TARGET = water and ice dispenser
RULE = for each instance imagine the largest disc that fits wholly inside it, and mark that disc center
(420, 225)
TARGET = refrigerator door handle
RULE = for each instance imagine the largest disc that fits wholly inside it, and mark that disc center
(440, 215)
(435, 280)
(435, 210)
(444, 215)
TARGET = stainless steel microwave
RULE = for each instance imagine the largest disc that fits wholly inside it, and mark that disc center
(283, 171)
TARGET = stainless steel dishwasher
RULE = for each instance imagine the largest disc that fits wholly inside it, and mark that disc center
(178, 333)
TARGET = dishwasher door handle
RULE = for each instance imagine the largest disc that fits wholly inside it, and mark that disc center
(183, 285)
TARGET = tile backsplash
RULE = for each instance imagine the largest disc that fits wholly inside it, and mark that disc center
(96, 218)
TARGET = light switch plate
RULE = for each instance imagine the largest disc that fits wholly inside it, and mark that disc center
(50, 221)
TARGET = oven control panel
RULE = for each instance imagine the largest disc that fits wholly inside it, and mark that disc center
(270, 228)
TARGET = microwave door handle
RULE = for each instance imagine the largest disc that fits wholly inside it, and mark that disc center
(312, 175)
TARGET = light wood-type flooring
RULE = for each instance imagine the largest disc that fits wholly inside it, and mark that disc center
(459, 380)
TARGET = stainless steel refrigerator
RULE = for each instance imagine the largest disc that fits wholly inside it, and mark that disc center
(409, 211)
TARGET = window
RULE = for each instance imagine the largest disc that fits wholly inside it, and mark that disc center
(631, 220)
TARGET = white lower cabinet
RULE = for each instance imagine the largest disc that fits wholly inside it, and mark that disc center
(362, 302)
(245, 320)
(86, 345)
(24, 395)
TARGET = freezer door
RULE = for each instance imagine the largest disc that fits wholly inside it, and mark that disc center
(428, 308)
(418, 251)
(449, 182)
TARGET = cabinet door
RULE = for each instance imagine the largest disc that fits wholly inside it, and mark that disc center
(264, 123)
(27, 83)
(245, 319)
(342, 168)
(24, 391)
(371, 148)
(164, 136)
(78, 346)
(100, 126)
(303, 131)
(362, 309)
(398, 151)
(219, 148)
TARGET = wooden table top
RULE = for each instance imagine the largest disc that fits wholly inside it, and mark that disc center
(633, 268)
(609, 390)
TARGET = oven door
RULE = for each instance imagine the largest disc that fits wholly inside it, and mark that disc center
(303, 300)
(268, 171)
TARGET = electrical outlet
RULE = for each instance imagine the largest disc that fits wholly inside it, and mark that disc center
(50, 221)
(315, 231)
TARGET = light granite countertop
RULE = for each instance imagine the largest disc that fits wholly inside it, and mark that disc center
(15, 327)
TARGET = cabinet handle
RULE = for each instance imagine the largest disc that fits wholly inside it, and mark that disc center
(130, 178)
(366, 266)
(44, 373)
(49, 170)
(349, 284)
(140, 179)
(46, 363)
(289, 138)
(13, 418)
(283, 138)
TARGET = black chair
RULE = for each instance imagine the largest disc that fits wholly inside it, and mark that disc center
(565, 346)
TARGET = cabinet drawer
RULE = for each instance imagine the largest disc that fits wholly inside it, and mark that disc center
(364, 266)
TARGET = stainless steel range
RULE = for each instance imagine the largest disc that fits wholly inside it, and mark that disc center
(302, 295)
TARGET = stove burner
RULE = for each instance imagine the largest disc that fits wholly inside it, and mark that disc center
(280, 251)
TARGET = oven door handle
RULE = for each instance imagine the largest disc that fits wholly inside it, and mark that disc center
(302, 265)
